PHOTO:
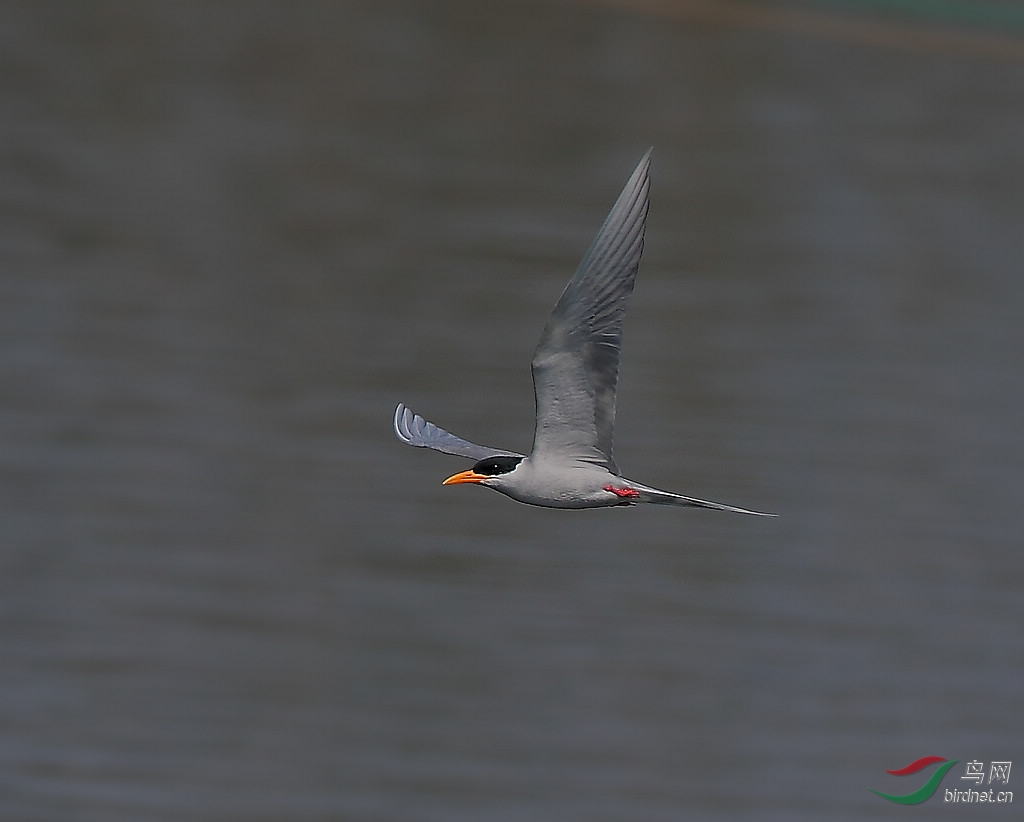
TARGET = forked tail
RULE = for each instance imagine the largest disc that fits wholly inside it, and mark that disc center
(659, 497)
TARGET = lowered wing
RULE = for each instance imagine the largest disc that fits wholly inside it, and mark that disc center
(412, 429)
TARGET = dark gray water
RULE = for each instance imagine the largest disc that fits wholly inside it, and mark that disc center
(234, 235)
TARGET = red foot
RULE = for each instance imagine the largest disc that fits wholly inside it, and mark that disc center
(622, 492)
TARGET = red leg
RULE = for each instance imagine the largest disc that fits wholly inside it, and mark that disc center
(625, 493)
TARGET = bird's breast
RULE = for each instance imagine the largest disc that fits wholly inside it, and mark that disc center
(561, 486)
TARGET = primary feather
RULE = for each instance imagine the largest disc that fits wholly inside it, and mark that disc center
(412, 429)
(576, 363)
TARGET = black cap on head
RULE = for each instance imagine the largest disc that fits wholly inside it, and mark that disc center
(492, 466)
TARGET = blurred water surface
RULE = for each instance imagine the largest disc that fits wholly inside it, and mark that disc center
(234, 235)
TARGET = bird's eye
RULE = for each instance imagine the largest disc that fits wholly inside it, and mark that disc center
(496, 465)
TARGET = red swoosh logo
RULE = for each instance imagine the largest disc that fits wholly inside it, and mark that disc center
(917, 765)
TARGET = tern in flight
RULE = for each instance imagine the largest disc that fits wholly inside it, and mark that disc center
(575, 371)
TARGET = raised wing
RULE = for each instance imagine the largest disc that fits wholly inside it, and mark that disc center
(412, 429)
(576, 363)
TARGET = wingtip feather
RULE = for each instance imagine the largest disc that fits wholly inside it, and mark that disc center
(402, 422)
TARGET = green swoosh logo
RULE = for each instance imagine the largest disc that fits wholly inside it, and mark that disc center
(922, 793)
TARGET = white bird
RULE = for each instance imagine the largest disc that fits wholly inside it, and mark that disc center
(575, 371)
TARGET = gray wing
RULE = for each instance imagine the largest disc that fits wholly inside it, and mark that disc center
(576, 364)
(412, 429)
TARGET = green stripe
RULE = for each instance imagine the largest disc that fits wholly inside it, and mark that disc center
(970, 12)
(922, 793)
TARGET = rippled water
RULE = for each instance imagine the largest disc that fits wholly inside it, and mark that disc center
(233, 236)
